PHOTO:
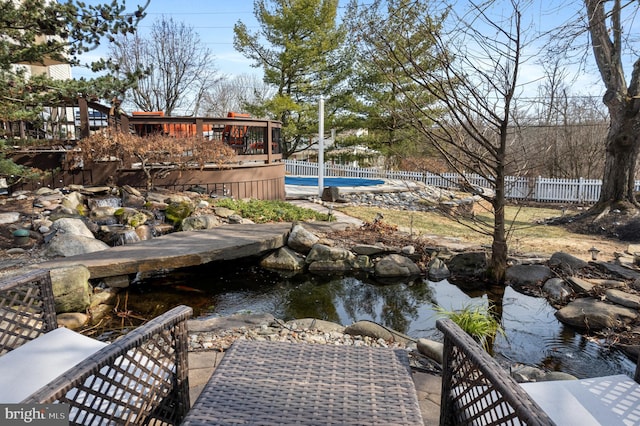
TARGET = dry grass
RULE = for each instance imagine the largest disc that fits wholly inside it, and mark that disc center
(528, 231)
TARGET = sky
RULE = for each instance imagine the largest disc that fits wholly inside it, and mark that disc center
(213, 21)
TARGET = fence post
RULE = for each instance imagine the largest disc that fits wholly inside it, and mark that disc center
(580, 190)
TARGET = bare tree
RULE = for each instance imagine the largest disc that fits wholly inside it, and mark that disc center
(233, 94)
(179, 69)
(475, 88)
(565, 130)
(605, 26)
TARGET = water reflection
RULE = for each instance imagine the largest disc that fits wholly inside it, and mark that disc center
(533, 335)
(348, 299)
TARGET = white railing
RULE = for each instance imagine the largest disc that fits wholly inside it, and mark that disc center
(521, 188)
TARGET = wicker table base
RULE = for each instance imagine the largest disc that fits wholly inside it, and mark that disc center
(269, 383)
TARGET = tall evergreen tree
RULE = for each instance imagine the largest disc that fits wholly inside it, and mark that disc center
(40, 32)
(383, 82)
(301, 48)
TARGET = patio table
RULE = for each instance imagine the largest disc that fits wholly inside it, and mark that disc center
(268, 383)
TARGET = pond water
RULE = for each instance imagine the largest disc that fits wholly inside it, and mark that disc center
(533, 335)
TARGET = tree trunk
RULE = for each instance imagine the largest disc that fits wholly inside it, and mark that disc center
(620, 161)
(498, 263)
(623, 102)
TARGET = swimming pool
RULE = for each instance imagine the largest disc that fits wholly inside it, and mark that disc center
(331, 181)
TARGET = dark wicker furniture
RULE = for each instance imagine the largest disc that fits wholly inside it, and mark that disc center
(476, 390)
(27, 309)
(140, 378)
(268, 383)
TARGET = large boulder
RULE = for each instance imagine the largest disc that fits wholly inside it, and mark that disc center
(321, 252)
(74, 201)
(437, 270)
(566, 262)
(104, 215)
(471, 264)
(557, 289)
(524, 373)
(369, 249)
(431, 349)
(72, 226)
(623, 298)
(580, 286)
(526, 275)
(283, 259)
(70, 245)
(330, 194)
(315, 324)
(132, 217)
(223, 212)
(194, 223)
(132, 198)
(593, 315)
(395, 265)
(301, 240)
(71, 288)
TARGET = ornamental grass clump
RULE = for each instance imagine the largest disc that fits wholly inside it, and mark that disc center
(477, 321)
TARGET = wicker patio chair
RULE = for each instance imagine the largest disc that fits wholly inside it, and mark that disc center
(476, 390)
(141, 378)
(27, 309)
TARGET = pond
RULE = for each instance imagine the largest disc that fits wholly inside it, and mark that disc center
(533, 335)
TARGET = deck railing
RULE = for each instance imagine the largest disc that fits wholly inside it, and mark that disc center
(63, 125)
(539, 188)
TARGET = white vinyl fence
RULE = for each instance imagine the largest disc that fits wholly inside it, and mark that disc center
(520, 188)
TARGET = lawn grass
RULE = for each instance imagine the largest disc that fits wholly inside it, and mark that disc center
(527, 224)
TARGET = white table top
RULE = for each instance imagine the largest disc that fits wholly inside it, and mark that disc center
(609, 400)
(26, 369)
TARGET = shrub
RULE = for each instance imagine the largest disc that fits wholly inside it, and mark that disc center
(263, 211)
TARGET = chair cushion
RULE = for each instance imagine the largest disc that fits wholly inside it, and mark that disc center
(608, 400)
(31, 366)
